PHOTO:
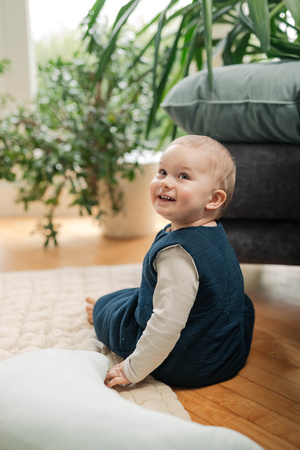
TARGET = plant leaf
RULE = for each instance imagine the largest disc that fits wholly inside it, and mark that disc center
(158, 90)
(241, 47)
(259, 14)
(285, 49)
(228, 54)
(294, 7)
(193, 52)
(245, 20)
(124, 13)
(207, 17)
(121, 19)
(91, 17)
(161, 23)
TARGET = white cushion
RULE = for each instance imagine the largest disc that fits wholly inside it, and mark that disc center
(56, 400)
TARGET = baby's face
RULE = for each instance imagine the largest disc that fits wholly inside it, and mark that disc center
(183, 186)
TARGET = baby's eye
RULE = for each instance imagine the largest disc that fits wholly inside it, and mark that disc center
(184, 176)
(162, 172)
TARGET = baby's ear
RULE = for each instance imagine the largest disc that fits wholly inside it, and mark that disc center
(217, 199)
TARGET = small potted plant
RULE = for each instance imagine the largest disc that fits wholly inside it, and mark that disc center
(77, 132)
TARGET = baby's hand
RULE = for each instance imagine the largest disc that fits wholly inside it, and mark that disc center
(116, 376)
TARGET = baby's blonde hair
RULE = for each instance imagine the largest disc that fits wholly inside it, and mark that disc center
(221, 162)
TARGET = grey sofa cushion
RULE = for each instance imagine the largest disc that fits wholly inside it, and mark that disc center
(258, 102)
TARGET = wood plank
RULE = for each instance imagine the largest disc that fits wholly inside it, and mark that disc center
(196, 419)
(264, 397)
(283, 349)
(206, 409)
(284, 318)
(81, 243)
(273, 382)
(243, 406)
(273, 365)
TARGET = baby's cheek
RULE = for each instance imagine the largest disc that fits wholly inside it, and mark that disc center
(153, 189)
(186, 196)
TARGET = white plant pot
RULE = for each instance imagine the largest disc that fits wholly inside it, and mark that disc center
(137, 217)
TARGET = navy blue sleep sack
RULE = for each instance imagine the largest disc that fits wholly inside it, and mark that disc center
(216, 341)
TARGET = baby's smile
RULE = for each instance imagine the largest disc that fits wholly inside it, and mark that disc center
(164, 197)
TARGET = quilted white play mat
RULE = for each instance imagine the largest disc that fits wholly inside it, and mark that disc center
(52, 368)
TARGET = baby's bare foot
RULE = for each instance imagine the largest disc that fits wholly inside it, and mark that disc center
(89, 309)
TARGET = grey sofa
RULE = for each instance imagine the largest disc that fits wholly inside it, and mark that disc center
(254, 110)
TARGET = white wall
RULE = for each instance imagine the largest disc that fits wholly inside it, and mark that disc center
(16, 45)
(9, 207)
(19, 80)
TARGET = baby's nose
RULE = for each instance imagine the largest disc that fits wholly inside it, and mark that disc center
(166, 183)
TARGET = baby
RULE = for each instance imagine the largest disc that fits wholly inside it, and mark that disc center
(189, 323)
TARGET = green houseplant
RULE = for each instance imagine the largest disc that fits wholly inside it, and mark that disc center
(182, 37)
(3, 64)
(76, 132)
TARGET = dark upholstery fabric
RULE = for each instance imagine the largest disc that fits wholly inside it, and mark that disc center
(263, 220)
(268, 181)
(264, 241)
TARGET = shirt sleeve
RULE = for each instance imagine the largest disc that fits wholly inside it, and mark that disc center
(174, 296)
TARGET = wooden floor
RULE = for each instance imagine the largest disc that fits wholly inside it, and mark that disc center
(263, 401)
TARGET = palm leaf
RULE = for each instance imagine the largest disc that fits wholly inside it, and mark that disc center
(161, 23)
(245, 20)
(148, 25)
(207, 18)
(294, 7)
(192, 51)
(222, 12)
(259, 13)
(225, 2)
(228, 54)
(91, 17)
(158, 38)
(121, 19)
(285, 49)
(138, 58)
(241, 48)
(123, 14)
(158, 90)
